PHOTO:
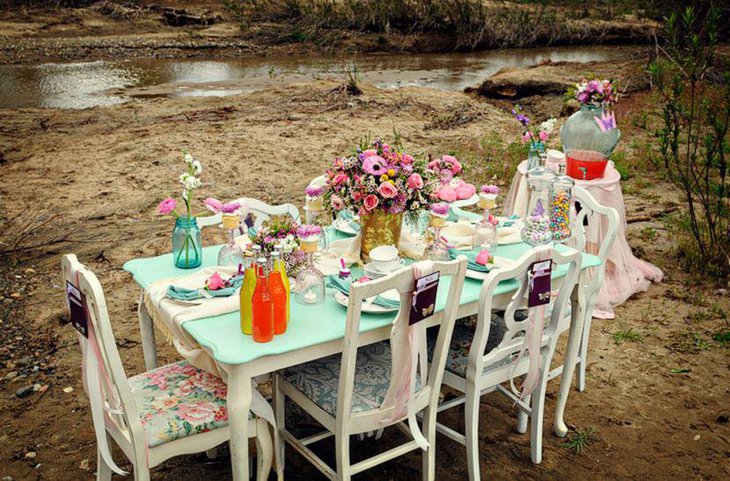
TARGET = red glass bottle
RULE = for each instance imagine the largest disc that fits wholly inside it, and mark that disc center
(262, 306)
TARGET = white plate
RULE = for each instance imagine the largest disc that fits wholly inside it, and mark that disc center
(368, 306)
(372, 272)
(498, 262)
(344, 226)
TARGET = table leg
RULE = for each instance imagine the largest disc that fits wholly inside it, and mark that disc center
(147, 331)
(239, 404)
(578, 306)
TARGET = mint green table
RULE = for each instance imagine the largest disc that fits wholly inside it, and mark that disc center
(313, 332)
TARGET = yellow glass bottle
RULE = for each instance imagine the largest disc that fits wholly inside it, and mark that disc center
(280, 266)
(247, 289)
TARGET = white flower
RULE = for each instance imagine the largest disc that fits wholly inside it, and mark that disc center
(548, 125)
(185, 194)
(188, 158)
(197, 168)
(191, 183)
(184, 177)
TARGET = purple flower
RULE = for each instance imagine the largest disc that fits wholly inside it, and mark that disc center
(440, 208)
(230, 207)
(307, 230)
(490, 189)
(374, 165)
(314, 191)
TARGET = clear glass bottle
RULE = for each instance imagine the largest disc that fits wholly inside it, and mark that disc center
(230, 254)
(310, 281)
(561, 194)
(436, 250)
(536, 228)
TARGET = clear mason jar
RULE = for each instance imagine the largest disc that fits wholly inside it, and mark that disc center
(187, 246)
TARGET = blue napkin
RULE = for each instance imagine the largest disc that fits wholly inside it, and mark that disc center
(343, 286)
(184, 294)
(471, 257)
(510, 221)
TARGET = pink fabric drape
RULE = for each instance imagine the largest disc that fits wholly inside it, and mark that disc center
(625, 274)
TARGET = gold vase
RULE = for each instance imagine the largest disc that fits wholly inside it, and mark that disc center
(380, 228)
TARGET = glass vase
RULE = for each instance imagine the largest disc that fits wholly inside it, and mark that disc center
(187, 246)
(537, 150)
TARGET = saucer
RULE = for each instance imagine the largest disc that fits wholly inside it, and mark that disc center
(373, 272)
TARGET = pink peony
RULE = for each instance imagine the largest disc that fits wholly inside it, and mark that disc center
(337, 202)
(387, 190)
(340, 179)
(446, 193)
(407, 159)
(369, 153)
(197, 412)
(370, 202)
(455, 165)
(465, 190)
(415, 182)
(215, 282)
(167, 206)
(374, 165)
(433, 165)
(214, 205)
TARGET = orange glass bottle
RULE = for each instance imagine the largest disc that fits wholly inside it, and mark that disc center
(263, 306)
(278, 294)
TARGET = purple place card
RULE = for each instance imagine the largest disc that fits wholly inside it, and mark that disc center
(423, 304)
(77, 306)
(538, 277)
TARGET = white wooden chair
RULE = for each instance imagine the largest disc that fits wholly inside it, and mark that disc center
(260, 210)
(172, 410)
(605, 219)
(348, 394)
(481, 359)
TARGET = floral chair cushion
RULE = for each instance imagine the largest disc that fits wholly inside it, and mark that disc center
(318, 380)
(179, 400)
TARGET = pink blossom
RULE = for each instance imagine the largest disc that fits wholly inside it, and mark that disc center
(543, 135)
(414, 182)
(440, 209)
(526, 137)
(230, 207)
(433, 165)
(215, 282)
(387, 190)
(493, 220)
(214, 205)
(340, 179)
(369, 153)
(337, 202)
(197, 412)
(167, 206)
(374, 165)
(455, 165)
(370, 202)
(490, 189)
(406, 159)
(465, 190)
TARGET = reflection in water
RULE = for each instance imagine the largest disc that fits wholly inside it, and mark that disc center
(87, 84)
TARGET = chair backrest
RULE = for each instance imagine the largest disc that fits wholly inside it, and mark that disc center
(120, 410)
(603, 224)
(514, 330)
(402, 281)
(260, 210)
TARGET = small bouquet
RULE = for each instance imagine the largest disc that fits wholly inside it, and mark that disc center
(594, 91)
(190, 182)
(277, 231)
(451, 188)
(536, 138)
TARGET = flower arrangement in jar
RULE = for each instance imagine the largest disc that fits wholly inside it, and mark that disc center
(536, 139)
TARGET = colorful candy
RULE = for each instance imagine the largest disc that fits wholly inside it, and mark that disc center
(560, 215)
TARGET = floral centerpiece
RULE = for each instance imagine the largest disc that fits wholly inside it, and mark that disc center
(282, 232)
(535, 138)
(451, 188)
(594, 91)
(187, 248)
(380, 183)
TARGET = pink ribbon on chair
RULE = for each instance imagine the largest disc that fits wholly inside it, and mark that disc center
(406, 356)
(531, 344)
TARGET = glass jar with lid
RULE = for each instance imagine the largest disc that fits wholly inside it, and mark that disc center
(561, 194)
(536, 228)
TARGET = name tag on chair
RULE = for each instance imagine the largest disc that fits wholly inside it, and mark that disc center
(77, 306)
(424, 297)
(539, 283)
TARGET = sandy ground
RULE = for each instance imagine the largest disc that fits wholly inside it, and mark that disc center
(88, 182)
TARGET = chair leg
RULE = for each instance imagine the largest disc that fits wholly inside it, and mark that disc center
(264, 450)
(280, 416)
(428, 470)
(342, 454)
(141, 473)
(103, 472)
(471, 419)
(584, 353)
(523, 417)
(538, 408)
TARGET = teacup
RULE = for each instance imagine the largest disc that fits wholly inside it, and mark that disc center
(385, 258)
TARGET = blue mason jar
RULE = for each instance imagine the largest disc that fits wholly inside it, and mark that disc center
(187, 247)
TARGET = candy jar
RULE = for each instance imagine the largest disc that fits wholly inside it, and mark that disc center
(310, 281)
(536, 229)
(230, 254)
(436, 250)
(561, 193)
(485, 235)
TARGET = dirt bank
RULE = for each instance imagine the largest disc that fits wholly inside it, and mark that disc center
(88, 182)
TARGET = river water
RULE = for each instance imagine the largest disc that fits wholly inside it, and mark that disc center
(88, 84)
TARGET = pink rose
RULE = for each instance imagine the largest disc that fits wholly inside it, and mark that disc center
(543, 135)
(337, 202)
(368, 153)
(387, 190)
(455, 165)
(406, 159)
(167, 206)
(414, 182)
(340, 179)
(214, 205)
(215, 282)
(433, 165)
(371, 202)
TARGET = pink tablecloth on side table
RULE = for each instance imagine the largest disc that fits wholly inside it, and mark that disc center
(625, 274)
